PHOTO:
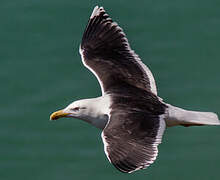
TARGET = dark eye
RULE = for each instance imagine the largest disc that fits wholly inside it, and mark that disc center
(75, 109)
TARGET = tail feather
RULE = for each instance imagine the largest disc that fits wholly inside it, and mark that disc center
(178, 116)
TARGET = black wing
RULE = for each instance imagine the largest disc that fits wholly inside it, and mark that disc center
(106, 52)
(134, 130)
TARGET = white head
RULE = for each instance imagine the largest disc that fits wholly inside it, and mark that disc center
(77, 109)
(86, 109)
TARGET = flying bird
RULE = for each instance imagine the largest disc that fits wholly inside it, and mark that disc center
(130, 114)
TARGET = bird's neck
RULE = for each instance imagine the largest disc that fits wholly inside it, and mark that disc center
(98, 111)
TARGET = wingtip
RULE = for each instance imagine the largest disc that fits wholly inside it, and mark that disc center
(96, 11)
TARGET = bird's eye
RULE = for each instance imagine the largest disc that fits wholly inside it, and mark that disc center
(75, 109)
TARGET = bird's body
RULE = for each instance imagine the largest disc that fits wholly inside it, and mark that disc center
(130, 113)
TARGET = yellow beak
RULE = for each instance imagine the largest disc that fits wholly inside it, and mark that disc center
(58, 114)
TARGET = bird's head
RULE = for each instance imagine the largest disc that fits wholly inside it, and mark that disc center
(77, 109)
(89, 110)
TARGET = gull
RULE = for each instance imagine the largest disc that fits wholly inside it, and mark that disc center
(130, 114)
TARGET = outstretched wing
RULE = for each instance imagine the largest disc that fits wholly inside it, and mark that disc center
(134, 130)
(106, 52)
(132, 145)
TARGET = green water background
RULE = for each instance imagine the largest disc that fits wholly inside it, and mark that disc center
(41, 71)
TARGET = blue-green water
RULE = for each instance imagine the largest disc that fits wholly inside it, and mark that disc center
(41, 71)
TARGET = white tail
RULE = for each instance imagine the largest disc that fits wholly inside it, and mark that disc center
(178, 116)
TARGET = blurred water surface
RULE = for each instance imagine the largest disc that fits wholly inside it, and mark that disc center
(41, 71)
